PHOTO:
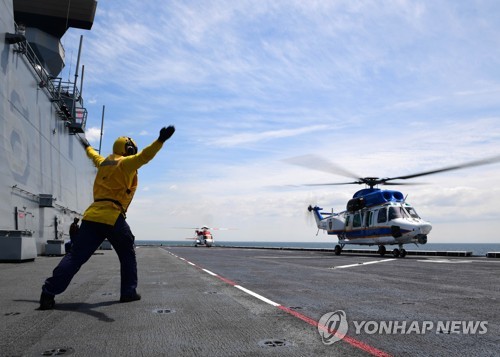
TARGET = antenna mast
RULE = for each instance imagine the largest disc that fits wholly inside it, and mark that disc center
(102, 126)
(73, 109)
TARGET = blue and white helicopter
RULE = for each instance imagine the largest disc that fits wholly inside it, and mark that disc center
(374, 216)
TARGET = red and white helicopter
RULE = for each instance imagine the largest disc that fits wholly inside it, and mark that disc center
(203, 236)
(374, 216)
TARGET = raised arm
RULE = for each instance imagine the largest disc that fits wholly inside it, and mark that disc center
(134, 162)
(91, 153)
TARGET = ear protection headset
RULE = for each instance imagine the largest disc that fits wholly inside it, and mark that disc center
(130, 147)
(124, 146)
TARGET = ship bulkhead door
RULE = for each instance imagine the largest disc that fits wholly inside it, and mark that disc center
(24, 220)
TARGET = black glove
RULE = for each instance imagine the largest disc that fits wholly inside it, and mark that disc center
(166, 133)
(83, 141)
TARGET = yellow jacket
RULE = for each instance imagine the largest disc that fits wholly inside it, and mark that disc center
(116, 182)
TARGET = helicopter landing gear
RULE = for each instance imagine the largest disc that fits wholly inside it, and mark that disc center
(397, 253)
(381, 250)
(338, 249)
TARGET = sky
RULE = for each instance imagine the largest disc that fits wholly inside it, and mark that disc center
(380, 88)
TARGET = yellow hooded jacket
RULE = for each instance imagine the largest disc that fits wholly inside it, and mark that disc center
(116, 182)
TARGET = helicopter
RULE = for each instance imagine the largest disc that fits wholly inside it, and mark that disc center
(203, 236)
(374, 216)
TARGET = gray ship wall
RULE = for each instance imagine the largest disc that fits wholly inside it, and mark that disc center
(45, 176)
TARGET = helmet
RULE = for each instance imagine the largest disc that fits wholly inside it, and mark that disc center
(124, 146)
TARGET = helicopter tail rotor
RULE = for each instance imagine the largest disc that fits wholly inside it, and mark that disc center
(308, 217)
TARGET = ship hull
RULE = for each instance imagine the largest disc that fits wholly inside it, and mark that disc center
(45, 177)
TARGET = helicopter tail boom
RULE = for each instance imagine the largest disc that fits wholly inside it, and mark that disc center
(318, 216)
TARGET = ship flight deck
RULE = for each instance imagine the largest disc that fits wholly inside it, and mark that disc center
(256, 302)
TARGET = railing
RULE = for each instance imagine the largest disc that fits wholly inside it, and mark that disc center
(63, 94)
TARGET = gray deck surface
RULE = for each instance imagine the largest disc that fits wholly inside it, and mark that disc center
(188, 311)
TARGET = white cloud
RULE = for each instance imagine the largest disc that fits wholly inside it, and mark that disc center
(380, 90)
(93, 134)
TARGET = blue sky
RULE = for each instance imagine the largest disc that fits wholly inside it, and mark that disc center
(382, 88)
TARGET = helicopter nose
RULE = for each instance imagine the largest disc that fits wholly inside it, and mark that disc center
(425, 228)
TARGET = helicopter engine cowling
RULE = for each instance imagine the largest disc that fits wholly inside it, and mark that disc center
(355, 204)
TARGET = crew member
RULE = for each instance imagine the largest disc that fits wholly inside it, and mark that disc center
(73, 232)
(114, 188)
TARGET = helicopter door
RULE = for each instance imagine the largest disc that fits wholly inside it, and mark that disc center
(368, 219)
(356, 222)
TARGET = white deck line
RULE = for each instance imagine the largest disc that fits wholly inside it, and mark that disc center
(359, 264)
(260, 297)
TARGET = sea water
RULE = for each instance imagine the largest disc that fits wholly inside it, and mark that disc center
(478, 249)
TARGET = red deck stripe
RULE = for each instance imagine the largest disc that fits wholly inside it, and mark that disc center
(352, 341)
(230, 282)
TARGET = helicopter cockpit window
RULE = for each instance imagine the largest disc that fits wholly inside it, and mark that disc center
(357, 220)
(395, 212)
(412, 212)
(382, 215)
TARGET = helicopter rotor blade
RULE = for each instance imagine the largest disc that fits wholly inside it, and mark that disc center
(331, 184)
(481, 162)
(316, 162)
(401, 183)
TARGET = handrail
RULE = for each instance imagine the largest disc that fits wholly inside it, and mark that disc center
(62, 93)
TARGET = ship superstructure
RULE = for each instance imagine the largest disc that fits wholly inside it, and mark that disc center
(45, 176)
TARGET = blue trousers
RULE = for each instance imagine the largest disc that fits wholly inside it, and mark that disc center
(90, 237)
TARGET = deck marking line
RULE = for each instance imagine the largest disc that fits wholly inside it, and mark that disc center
(359, 264)
(209, 272)
(226, 280)
(446, 261)
(260, 297)
(352, 341)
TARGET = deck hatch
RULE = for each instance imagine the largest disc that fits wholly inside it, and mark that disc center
(163, 311)
(273, 342)
(58, 351)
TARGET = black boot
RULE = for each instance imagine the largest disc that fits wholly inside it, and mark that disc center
(129, 298)
(46, 302)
